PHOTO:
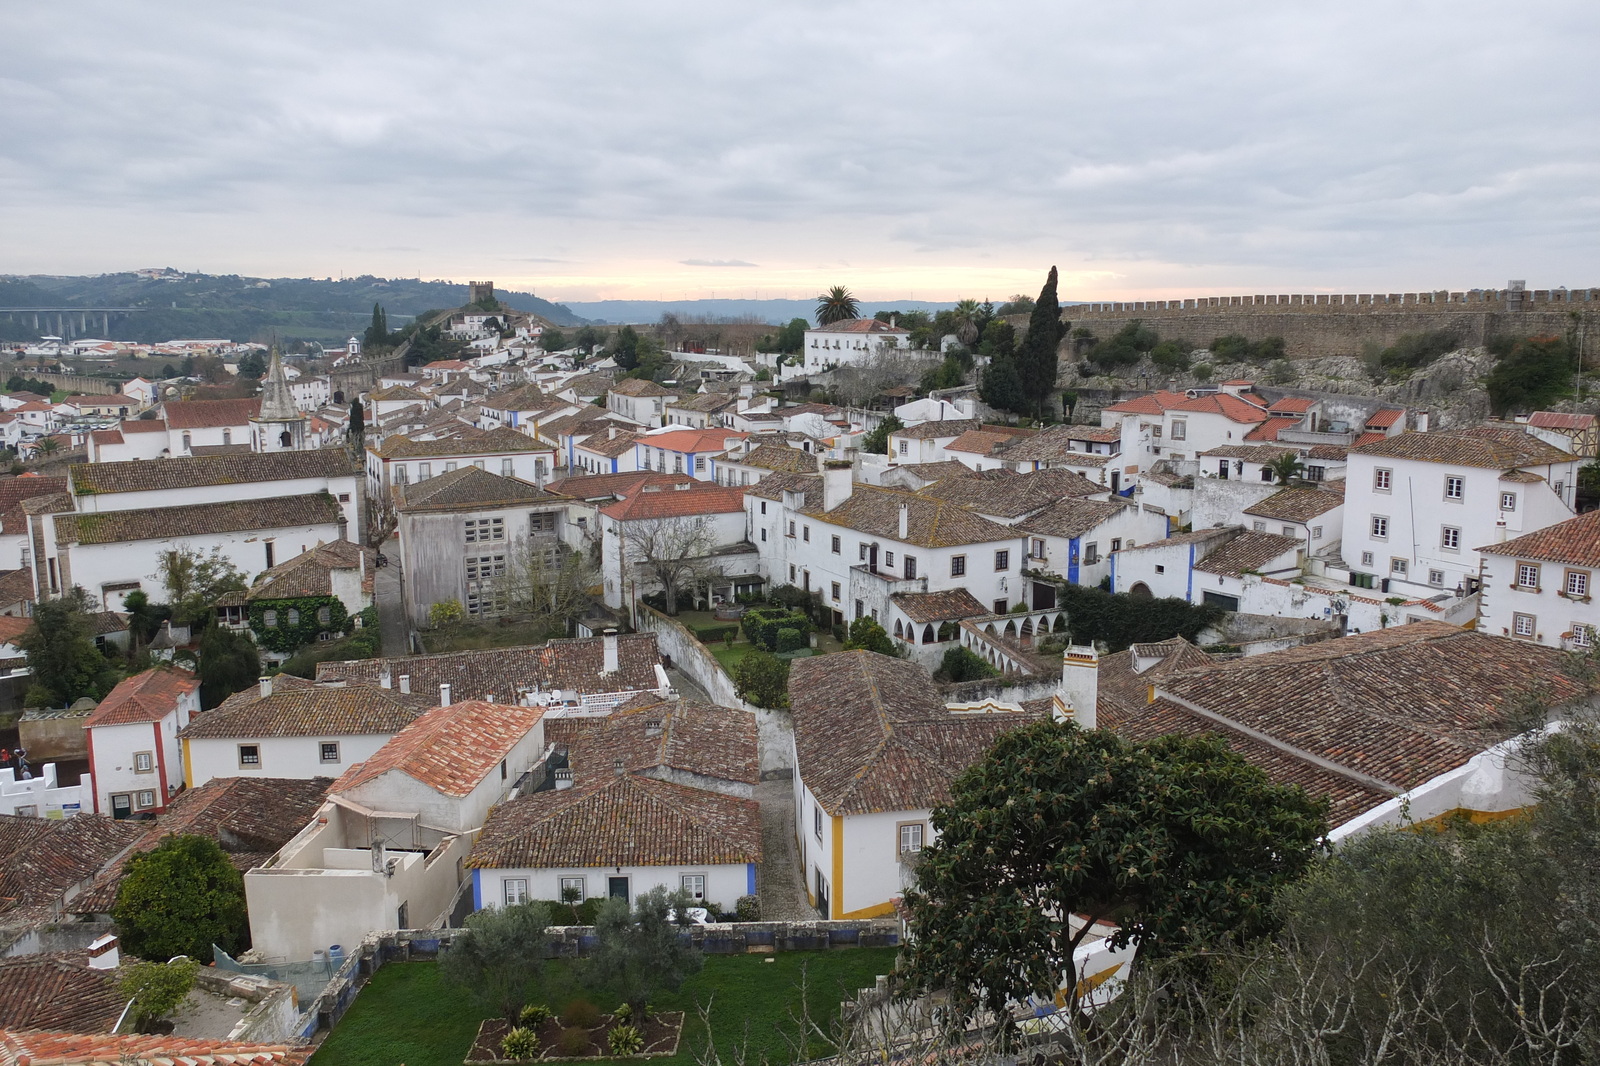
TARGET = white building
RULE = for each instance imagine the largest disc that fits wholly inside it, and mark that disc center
(640, 401)
(403, 460)
(1540, 586)
(1075, 539)
(1417, 505)
(134, 754)
(851, 341)
(664, 522)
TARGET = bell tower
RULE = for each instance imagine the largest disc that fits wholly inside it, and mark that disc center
(281, 425)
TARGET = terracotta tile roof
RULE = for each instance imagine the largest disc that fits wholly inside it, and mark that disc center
(43, 1048)
(703, 402)
(146, 697)
(1153, 404)
(1296, 505)
(859, 325)
(449, 749)
(526, 398)
(978, 442)
(698, 498)
(1364, 439)
(153, 475)
(1269, 429)
(106, 436)
(15, 491)
(773, 486)
(160, 523)
(588, 384)
(694, 440)
(1254, 453)
(1560, 420)
(1521, 477)
(1070, 518)
(210, 414)
(1248, 552)
(42, 859)
(872, 733)
(640, 387)
(58, 991)
(399, 392)
(468, 487)
(1124, 688)
(1327, 451)
(649, 735)
(1385, 417)
(16, 586)
(570, 665)
(1575, 542)
(1288, 405)
(249, 817)
(308, 710)
(779, 457)
(12, 627)
(951, 605)
(1014, 496)
(953, 427)
(605, 486)
(931, 522)
(1496, 447)
(1233, 408)
(934, 471)
(1055, 444)
(497, 441)
(143, 425)
(310, 573)
(609, 442)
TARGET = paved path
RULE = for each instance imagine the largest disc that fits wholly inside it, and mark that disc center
(781, 883)
(391, 612)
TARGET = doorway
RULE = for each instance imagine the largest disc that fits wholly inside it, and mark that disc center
(617, 888)
(122, 805)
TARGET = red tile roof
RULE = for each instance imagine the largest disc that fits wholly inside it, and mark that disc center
(1575, 542)
(1290, 405)
(693, 440)
(1385, 417)
(58, 991)
(1153, 404)
(12, 627)
(210, 414)
(449, 749)
(1560, 420)
(698, 498)
(41, 1048)
(600, 486)
(146, 697)
(1269, 429)
(1495, 447)
(859, 325)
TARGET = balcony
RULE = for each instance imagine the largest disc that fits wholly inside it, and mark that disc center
(882, 583)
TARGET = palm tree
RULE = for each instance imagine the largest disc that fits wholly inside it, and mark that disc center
(965, 317)
(1286, 467)
(836, 305)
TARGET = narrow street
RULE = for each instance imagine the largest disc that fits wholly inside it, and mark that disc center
(391, 612)
(781, 882)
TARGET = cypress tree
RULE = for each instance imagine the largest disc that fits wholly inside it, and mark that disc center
(1036, 361)
(1001, 385)
(358, 421)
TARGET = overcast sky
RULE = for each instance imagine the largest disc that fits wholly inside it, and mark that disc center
(936, 150)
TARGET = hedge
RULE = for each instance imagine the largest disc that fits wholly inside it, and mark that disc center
(761, 625)
(715, 634)
(1119, 619)
(792, 640)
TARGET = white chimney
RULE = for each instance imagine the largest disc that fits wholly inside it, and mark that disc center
(405, 684)
(385, 678)
(905, 521)
(838, 481)
(564, 778)
(444, 694)
(1079, 694)
(266, 686)
(1422, 421)
(609, 642)
(104, 954)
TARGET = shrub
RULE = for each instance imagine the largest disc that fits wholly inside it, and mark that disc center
(712, 634)
(1416, 350)
(1232, 348)
(1528, 372)
(534, 1015)
(962, 665)
(1120, 619)
(791, 640)
(157, 988)
(763, 679)
(1202, 372)
(1281, 372)
(748, 909)
(762, 624)
(520, 1043)
(867, 634)
(445, 613)
(1170, 355)
(580, 1013)
(573, 1042)
(623, 1013)
(625, 1040)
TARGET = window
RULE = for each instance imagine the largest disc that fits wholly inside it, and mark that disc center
(1160, 569)
(677, 463)
(1316, 473)
(227, 436)
(1038, 548)
(695, 886)
(483, 530)
(1091, 554)
(905, 447)
(1266, 473)
(294, 616)
(324, 615)
(1380, 527)
(144, 762)
(1382, 479)
(187, 442)
(145, 799)
(862, 551)
(542, 522)
(270, 553)
(449, 467)
(1001, 606)
(1288, 531)
(1450, 538)
(329, 750)
(1454, 487)
(791, 573)
(506, 468)
(1366, 558)
(269, 618)
(1002, 560)
(816, 819)
(516, 889)
(1259, 526)
(485, 594)
(958, 565)
(1436, 578)
(1527, 575)
(1180, 429)
(572, 888)
(805, 534)
(1316, 532)
(1508, 501)
(837, 544)
(1116, 544)
(791, 528)
(763, 506)
(888, 560)
(1522, 625)
(1577, 584)
(1582, 635)
(910, 838)
(835, 590)
(250, 755)
(424, 471)
(1397, 566)
(763, 536)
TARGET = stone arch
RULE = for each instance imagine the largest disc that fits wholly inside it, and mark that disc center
(1011, 630)
(1026, 632)
(1060, 624)
(927, 633)
(898, 631)
(1141, 590)
(989, 629)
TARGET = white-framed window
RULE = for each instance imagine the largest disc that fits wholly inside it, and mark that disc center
(1454, 488)
(294, 616)
(1577, 584)
(910, 565)
(1527, 575)
(449, 467)
(1316, 532)
(144, 799)
(1582, 635)
(1002, 560)
(1397, 566)
(269, 618)
(1180, 429)
(1522, 625)
(888, 560)
(328, 750)
(910, 838)
(1450, 538)
(958, 565)
(1267, 474)
(324, 615)
(570, 885)
(1436, 578)
(1316, 473)
(1259, 525)
(1380, 527)
(1288, 531)
(816, 819)
(1366, 558)
(424, 471)
(1382, 479)
(695, 886)
(516, 890)
(144, 762)
(1508, 501)
(250, 755)
(1038, 548)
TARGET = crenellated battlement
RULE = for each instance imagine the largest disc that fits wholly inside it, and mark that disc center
(1508, 299)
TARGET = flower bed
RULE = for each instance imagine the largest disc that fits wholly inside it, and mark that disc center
(660, 1031)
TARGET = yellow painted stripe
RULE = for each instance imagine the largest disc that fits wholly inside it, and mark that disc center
(877, 911)
(188, 766)
(1088, 984)
(836, 897)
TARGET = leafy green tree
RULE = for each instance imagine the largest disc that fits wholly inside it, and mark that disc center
(229, 663)
(867, 635)
(180, 899)
(1001, 386)
(553, 340)
(959, 664)
(1036, 358)
(999, 339)
(762, 679)
(640, 953)
(501, 960)
(1529, 372)
(157, 988)
(1020, 304)
(1170, 355)
(625, 347)
(876, 440)
(947, 375)
(1286, 467)
(253, 366)
(837, 305)
(587, 338)
(1178, 840)
(194, 581)
(61, 654)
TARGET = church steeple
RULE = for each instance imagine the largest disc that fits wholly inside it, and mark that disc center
(280, 426)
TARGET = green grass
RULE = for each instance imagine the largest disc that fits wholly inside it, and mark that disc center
(476, 637)
(409, 1014)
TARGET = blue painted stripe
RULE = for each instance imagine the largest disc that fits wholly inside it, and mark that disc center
(1188, 593)
(750, 878)
(477, 889)
(1072, 561)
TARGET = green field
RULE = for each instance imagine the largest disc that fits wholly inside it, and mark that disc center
(409, 1014)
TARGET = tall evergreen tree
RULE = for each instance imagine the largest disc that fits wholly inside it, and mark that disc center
(1001, 385)
(358, 421)
(378, 332)
(1036, 356)
(229, 663)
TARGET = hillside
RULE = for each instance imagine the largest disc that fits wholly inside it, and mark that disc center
(243, 308)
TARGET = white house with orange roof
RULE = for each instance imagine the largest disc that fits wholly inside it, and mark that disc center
(135, 756)
(1541, 586)
(1180, 425)
(680, 450)
(851, 341)
(668, 527)
(389, 848)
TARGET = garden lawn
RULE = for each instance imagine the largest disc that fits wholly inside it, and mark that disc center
(475, 636)
(409, 1014)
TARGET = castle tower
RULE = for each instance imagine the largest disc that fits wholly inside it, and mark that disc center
(280, 426)
(480, 291)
